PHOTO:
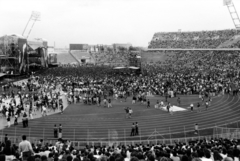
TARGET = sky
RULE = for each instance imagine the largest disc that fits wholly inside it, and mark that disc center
(111, 21)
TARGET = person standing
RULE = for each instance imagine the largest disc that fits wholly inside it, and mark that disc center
(191, 107)
(55, 131)
(99, 100)
(134, 99)
(60, 131)
(127, 112)
(196, 129)
(25, 148)
(25, 120)
(133, 130)
(179, 101)
(130, 111)
(148, 103)
(136, 128)
(104, 102)
(6, 138)
(198, 106)
(44, 111)
(8, 121)
(206, 104)
(161, 104)
(61, 107)
(16, 119)
(109, 103)
(31, 114)
(168, 107)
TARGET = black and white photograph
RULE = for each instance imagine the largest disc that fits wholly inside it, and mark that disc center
(119, 80)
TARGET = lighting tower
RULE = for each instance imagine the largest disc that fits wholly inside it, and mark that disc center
(35, 16)
(233, 12)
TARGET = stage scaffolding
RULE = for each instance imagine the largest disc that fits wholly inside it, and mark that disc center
(9, 65)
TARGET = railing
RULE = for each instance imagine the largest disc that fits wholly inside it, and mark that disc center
(230, 131)
(171, 141)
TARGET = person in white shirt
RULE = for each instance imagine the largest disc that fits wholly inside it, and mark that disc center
(196, 129)
(130, 112)
(161, 104)
(207, 156)
(44, 111)
(191, 107)
(25, 148)
(175, 157)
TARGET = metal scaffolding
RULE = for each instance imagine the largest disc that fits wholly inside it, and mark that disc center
(35, 16)
(233, 13)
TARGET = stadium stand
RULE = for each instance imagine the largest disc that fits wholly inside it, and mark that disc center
(82, 56)
(190, 40)
(65, 58)
(109, 56)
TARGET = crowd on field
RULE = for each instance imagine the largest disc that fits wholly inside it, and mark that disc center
(207, 73)
(25, 99)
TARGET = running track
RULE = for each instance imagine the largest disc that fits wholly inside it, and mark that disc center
(89, 122)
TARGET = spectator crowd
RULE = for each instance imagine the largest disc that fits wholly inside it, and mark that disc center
(191, 40)
(206, 73)
(63, 150)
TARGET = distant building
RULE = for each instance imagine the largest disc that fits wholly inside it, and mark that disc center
(126, 46)
(83, 47)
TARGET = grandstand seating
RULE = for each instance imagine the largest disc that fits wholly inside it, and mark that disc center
(79, 55)
(110, 57)
(199, 39)
(65, 58)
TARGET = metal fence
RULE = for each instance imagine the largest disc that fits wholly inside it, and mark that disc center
(79, 144)
(230, 131)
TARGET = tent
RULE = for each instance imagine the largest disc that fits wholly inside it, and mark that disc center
(132, 67)
(139, 57)
(119, 68)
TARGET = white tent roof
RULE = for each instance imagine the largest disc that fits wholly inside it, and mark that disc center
(17, 35)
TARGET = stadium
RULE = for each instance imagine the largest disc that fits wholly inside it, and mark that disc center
(178, 99)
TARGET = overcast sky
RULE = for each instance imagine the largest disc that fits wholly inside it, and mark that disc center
(112, 21)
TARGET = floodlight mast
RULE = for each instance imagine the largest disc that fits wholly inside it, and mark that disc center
(233, 13)
(35, 16)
